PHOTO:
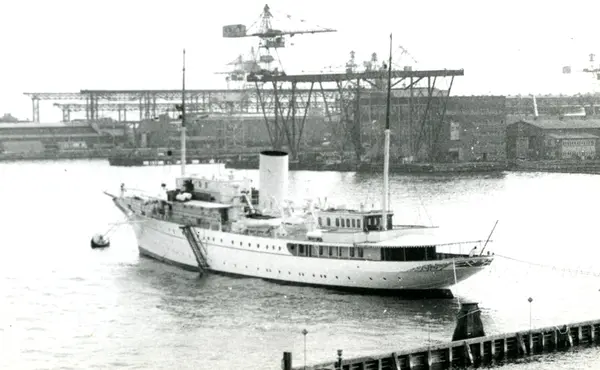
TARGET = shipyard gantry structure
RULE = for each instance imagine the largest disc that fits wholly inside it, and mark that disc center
(359, 107)
(351, 106)
(151, 103)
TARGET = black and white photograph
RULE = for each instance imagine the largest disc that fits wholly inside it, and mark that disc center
(309, 185)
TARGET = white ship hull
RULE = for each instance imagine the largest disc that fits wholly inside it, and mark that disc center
(268, 258)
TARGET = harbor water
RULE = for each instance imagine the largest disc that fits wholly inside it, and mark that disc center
(66, 306)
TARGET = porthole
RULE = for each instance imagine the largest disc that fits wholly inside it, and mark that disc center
(370, 278)
(384, 279)
(336, 277)
(348, 277)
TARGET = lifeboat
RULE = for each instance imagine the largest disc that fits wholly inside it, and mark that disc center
(99, 241)
(262, 221)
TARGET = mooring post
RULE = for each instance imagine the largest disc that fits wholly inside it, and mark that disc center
(339, 361)
(468, 323)
(287, 361)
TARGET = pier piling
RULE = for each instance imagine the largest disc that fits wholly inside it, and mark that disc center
(468, 323)
(474, 350)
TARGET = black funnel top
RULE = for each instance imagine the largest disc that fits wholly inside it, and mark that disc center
(274, 153)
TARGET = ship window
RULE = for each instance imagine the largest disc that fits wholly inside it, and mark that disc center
(360, 252)
(340, 251)
(320, 250)
(353, 223)
(258, 246)
(337, 222)
(328, 221)
(347, 222)
(320, 221)
(333, 251)
(343, 223)
(232, 242)
(206, 184)
(351, 252)
(358, 223)
(301, 249)
(248, 244)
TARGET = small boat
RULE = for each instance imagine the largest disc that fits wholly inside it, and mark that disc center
(99, 241)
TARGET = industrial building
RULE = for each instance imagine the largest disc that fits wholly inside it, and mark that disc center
(37, 138)
(553, 139)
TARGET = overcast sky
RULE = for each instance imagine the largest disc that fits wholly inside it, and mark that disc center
(508, 47)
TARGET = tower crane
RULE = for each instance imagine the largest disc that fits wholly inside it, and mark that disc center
(271, 38)
(594, 69)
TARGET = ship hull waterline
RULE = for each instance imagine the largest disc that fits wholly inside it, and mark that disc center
(268, 259)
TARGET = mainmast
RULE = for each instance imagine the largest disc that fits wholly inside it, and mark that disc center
(386, 145)
(183, 128)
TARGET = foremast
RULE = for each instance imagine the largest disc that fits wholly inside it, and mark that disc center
(386, 146)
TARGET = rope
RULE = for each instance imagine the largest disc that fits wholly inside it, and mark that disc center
(554, 267)
(560, 331)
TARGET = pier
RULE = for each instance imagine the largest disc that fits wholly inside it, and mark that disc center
(464, 352)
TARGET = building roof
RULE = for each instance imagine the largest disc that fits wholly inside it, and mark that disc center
(35, 125)
(556, 124)
(573, 135)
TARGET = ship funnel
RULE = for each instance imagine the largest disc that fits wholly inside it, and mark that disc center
(273, 180)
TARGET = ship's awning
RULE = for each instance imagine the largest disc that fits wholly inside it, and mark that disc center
(203, 204)
(422, 240)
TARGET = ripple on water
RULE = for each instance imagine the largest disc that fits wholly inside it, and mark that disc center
(72, 307)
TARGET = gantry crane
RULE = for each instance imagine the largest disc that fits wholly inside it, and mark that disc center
(271, 38)
(594, 69)
(588, 103)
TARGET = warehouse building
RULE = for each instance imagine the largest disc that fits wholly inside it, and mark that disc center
(553, 139)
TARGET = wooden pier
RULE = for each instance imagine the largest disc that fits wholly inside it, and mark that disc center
(477, 352)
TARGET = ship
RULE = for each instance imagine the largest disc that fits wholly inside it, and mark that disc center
(224, 225)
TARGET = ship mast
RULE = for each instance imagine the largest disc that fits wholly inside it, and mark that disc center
(386, 145)
(183, 128)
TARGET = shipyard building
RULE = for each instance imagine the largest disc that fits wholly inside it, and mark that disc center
(553, 139)
(59, 137)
